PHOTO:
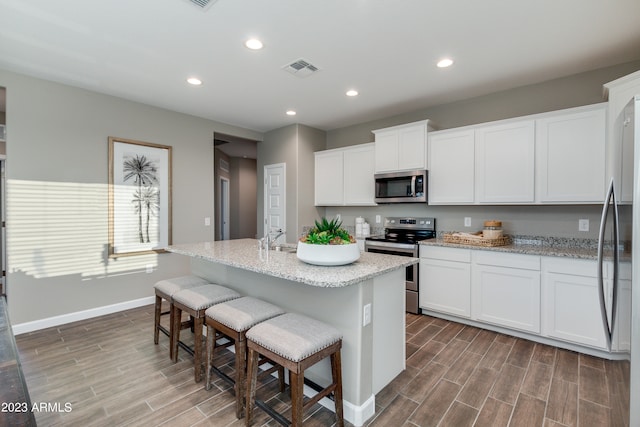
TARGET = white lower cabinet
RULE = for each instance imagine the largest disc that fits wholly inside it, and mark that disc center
(506, 290)
(572, 305)
(445, 280)
(551, 297)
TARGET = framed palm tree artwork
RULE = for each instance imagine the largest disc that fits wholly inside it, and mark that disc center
(139, 197)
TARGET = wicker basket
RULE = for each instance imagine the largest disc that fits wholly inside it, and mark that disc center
(475, 241)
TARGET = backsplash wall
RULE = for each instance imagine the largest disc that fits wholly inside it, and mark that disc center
(532, 220)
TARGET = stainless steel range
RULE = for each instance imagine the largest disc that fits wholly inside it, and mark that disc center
(401, 237)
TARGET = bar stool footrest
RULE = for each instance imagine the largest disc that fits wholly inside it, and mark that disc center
(272, 412)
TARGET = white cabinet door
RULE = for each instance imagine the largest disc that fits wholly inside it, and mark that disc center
(445, 286)
(401, 147)
(570, 150)
(507, 296)
(571, 302)
(359, 183)
(386, 151)
(329, 178)
(412, 145)
(505, 163)
(451, 167)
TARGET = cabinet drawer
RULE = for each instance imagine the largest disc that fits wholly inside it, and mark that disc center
(502, 259)
(574, 267)
(446, 254)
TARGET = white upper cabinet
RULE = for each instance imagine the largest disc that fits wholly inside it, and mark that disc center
(359, 184)
(451, 167)
(402, 147)
(344, 176)
(556, 158)
(505, 162)
(570, 153)
(329, 178)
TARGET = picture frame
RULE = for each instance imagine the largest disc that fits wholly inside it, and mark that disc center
(139, 197)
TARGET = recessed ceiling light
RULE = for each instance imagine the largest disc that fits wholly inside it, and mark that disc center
(352, 92)
(194, 81)
(253, 44)
(444, 63)
(291, 113)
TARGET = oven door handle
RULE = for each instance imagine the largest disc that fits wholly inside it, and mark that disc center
(389, 248)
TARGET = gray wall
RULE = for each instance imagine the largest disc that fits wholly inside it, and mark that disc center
(57, 179)
(244, 208)
(561, 221)
(293, 145)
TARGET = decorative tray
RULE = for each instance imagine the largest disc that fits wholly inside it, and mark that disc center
(475, 239)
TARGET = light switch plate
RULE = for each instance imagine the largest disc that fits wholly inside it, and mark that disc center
(583, 225)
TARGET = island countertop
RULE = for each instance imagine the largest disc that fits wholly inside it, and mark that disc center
(245, 254)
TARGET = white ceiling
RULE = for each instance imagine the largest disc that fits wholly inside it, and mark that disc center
(144, 50)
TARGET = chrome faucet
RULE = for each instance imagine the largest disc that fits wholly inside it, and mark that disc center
(267, 241)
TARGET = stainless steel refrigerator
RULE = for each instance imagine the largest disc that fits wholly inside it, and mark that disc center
(634, 392)
(613, 303)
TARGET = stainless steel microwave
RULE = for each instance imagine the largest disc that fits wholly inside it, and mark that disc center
(401, 187)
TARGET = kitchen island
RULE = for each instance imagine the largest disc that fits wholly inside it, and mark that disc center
(373, 351)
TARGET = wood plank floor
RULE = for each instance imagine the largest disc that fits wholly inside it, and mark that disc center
(111, 374)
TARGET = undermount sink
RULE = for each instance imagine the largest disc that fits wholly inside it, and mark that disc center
(288, 249)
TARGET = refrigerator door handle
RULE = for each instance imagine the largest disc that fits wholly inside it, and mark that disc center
(608, 327)
(616, 261)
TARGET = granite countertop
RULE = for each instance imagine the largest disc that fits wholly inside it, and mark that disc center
(245, 254)
(538, 245)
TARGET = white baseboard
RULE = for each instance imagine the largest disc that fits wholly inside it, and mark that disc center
(357, 415)
(23, 328)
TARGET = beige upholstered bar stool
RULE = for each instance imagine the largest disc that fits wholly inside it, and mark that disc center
(295, 342)
(233, 319)
(195, 301)
(164, 290)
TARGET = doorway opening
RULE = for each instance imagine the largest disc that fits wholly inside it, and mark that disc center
(235, 177)
(224, 209)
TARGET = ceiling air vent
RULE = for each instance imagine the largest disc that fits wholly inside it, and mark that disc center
(300, 68)
(203, 4)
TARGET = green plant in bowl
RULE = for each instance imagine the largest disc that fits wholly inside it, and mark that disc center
(328, 232)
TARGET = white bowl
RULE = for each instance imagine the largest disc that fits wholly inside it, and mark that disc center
(328, 254)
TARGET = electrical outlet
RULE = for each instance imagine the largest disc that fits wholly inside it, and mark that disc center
(207, 221)
(467, 221)
(366, 315)
(583, 225)
(378, 219)
(339, 217)
(149, 268)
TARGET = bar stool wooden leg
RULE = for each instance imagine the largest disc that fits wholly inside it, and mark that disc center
(176, 314)
(336, 373)
(211, 342)
(296, 382)
(252, 377)
(156, 324)
(197, 346)
(241, 377)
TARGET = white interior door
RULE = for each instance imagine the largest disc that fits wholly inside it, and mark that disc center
(275, 198)
(224, 209)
